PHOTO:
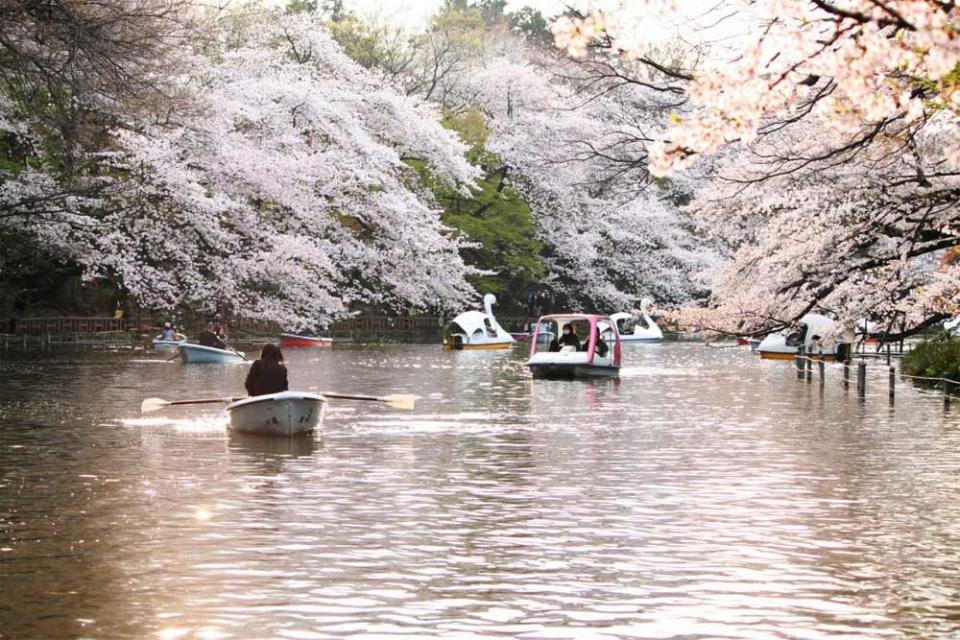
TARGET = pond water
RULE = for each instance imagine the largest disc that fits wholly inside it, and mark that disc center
(706, 494)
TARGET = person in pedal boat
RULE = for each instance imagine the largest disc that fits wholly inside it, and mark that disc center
(268, 374)
(208, 338)
(567, 339)
(601, 347)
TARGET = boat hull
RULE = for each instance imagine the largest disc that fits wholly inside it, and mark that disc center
(629, 338)
(572, 371)
(285, 414)
(168, 344)
(780, 355)
(291, 340)
(199, 354)
(453, 346)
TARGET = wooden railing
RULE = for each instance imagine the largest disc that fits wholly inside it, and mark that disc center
(391, 328)
(77, 325)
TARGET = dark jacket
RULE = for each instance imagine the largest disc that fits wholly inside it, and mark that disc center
(266, 377)
(569, 340)
(601, 347)
(208, 338)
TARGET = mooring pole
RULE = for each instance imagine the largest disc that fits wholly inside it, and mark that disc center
(798, 359)
(888, 354)
(861, 379)
(947, 391)
(893, 382)
(820, 365)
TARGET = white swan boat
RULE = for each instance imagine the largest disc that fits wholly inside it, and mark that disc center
(590, 360)
(199, 354)
(477, 330)
(637, 327)
(287, 413)
(783, 345)
(952, 326)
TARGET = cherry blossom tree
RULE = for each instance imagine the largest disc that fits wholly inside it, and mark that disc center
(614, 236)
(282, 190)
(837, 127)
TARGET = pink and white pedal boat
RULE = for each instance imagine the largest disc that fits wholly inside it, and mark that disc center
(596, 353)
(295, 340)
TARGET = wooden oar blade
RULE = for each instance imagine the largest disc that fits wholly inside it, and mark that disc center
(153, 404)
(400, 401)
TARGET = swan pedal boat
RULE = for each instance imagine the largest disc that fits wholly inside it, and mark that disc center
(783, 345)
(294, 340)
(288, 413)
(477, 330)
(570, 363)
(644, 328)
(199, 354)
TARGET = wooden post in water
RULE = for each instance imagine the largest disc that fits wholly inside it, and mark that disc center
(862, 379)
(893, 382)
(798, 360)
(947, 392)
(808, 363)
(846, 374)
(820, 365)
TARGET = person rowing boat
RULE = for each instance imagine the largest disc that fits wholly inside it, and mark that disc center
(268, 374)
(208, 338)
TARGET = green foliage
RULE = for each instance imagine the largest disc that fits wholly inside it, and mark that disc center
(491, 12)
(360, 40)
(935, 358)
(494, 218)
(531, 23)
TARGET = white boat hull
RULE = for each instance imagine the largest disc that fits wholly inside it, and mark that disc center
(287, 413)
(640, 338)
(571, 364)
(571, 371)
(199, 354)
(167, 344)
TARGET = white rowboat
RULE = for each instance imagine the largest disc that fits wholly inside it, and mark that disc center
(287, 413)
(197, 353)
(160, 343)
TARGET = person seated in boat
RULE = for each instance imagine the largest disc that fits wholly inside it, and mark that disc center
(208, 338)
(567, 339)
(268, 374)
(168, 333)
(601, 347)
(220, 327)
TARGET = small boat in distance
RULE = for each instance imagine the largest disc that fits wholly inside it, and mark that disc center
(295, 340)
(590, 360)
(544, 336)
(477, 330)
(288, 413)
(952, 326)
(637, 327)
(160, 343)
(199, 354)
(783, 345)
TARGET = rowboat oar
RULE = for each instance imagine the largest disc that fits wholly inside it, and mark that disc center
(232, 349)
(155, 404)
(397, 400)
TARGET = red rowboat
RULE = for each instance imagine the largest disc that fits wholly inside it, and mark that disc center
(293, 340)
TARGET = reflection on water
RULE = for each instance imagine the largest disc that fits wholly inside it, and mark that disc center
(707, 494)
